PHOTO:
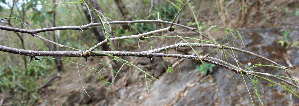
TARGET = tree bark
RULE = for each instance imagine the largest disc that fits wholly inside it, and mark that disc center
(122, 8)
(97, 31)
(153, 5)
(58, 61)
(124, 12)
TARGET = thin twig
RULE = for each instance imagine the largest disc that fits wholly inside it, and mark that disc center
(58, 44)
(84, 27)
(270, 75)
(176, 16)
(127, 37)
(47, 84)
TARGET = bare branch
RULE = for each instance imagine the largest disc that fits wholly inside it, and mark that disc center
(214, 46)
(127, 37)
(58, 44)
(119, 53)
(84, 27)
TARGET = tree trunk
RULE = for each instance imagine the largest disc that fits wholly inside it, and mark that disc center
(97, 31)
(122, 8)
(124, 12)
(153, 6)
(58, 61)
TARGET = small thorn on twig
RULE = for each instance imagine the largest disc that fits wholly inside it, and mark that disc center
(151, 58)
(33, 57)
(85, 64)
(207, 55)
(33, 35)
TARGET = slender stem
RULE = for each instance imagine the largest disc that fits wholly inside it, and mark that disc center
(127, 37)
(214, 46)
(178, 14)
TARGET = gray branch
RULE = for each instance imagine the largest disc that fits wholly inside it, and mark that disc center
(120, 53)
(213, 46)
(84, 27)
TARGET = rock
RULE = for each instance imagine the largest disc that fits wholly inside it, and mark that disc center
(92, 94)
(46, 103)
(87, 96)
(295, 56)
(233, 88)
(293, 36)
(73, 97)
(165, 90)
(161, 68)
(200, 95)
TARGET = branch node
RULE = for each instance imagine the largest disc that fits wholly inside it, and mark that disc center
(171, 29)
(33, 34)
(141, 38)
(85, 54)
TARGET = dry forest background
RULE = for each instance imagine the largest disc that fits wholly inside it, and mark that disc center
(149, 52)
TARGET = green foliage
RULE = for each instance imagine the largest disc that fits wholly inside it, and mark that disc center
(285, 40)
(169, 69)
(204, 68)
(143, 27)
(164, 12)
(255, 84)
(32, 4)
(40, 16)
(2, 1)
(39, 68)
(178, 3)
(15, 79)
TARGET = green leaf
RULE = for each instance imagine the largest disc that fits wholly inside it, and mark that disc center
(213, 26)
(35, 17)
(101, 77)
(108, 83)
(180, 1)
(173, 4)
(0, 9)
(114, 72)
(191, 23)
(31, 5)
(41, 18)
(169, 69)
(204, 67)
(48, 15)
